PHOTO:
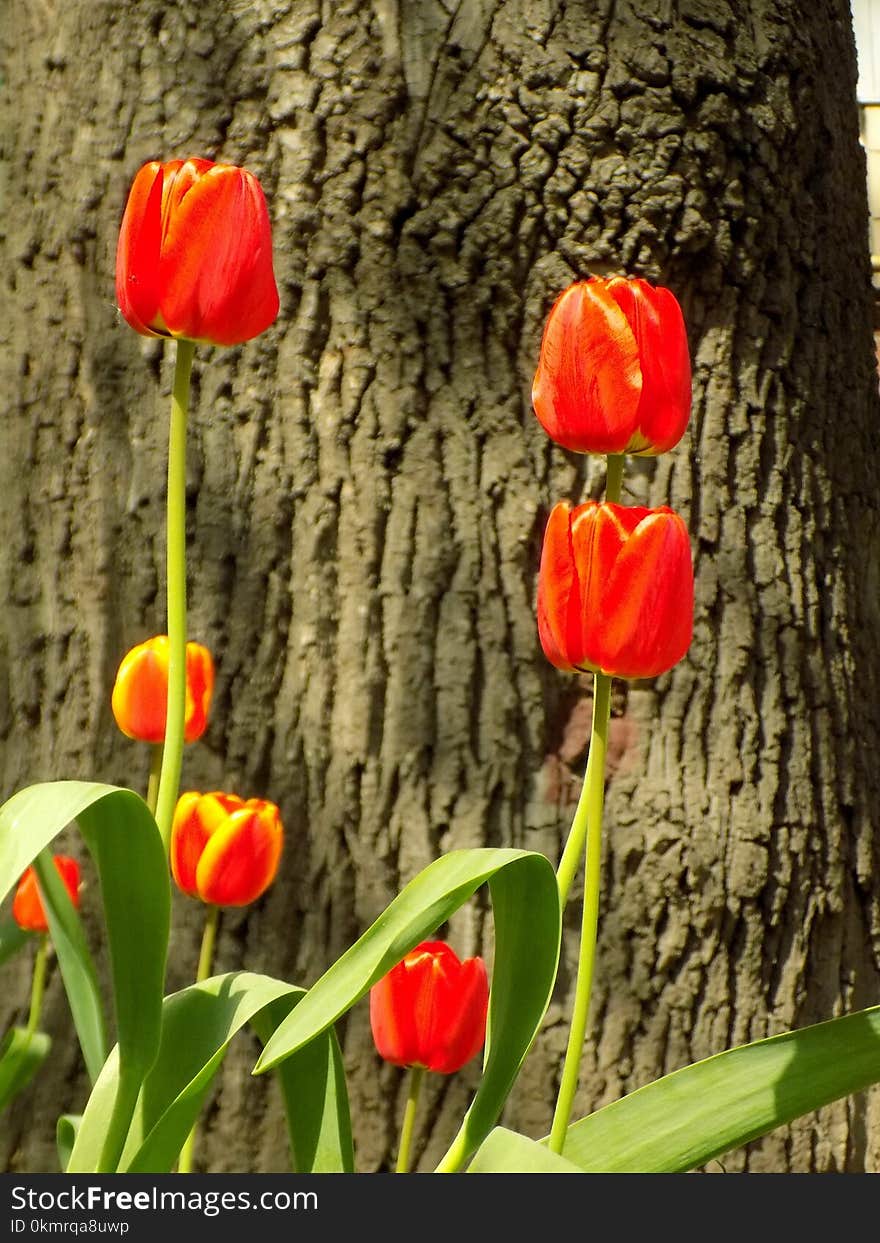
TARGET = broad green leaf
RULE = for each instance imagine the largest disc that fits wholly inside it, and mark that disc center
(681, 1121)
(198, 1024)
(12, 939)
(124, 841)
(65, 1136)
(526, 956)
(315, 1096)
(75, 961)
(508, 1152)
(21, 1055)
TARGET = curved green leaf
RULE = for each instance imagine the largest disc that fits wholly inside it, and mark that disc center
(124, 841)
(12, 939)
(22, 1053)
(198, 1024)
(315, 1097)
(75, 961)
(681, 1121)
(508, 1152)
(66, 1130)
(526, 956)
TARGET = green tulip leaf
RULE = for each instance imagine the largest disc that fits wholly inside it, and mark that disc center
(77, 969)
(198, 1024)
(22, 1053)
(508, 1152)
(315, 1097)
(524, 971)
(124, 841)
(683, 1120)
(66, 1130)
(12, 939)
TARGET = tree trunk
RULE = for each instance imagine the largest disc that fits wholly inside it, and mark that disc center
(368, 489)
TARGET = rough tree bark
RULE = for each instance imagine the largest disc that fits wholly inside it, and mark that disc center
(368, 488)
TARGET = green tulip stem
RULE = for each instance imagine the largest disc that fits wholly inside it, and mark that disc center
(38, 984)
(206, 963)
(614, 477)
(592, 800)
(175, 557)
(416, 1076)
(155, 772)
(592, 793)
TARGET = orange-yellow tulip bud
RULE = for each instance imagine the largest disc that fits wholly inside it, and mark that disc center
(615, 590)
(614, 372)
(225, 850)
(140, 692)
(194, 257)
(27, 905)
(430, 1010)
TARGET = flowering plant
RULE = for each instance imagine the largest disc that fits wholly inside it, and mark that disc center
(614, 599)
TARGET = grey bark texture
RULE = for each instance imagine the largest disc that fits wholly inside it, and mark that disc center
(368, 487)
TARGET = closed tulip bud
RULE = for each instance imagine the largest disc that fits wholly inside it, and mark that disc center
(140, 692)
(225, 850)
(615, 589)
(27, 905)
(614, 373)
(430, 1010)
(194, 257)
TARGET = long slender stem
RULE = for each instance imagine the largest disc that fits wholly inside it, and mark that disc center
(594, 802)
(175, 555)
(595, 777)
(614, 476)
(38, 984)
(416, 1075)
(206, 961)
(127, 1090)
(155, 773)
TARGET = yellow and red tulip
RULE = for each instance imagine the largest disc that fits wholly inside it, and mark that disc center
(615, 589)
(140, 691)
(194, 257)
(430, 1010)
(27, 905)
(225, 850)
(614, 372)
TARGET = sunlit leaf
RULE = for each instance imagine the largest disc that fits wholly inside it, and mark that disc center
(124, 841)
(199, 1023)
(524, 971)
(683, 1120)
(508, 1152)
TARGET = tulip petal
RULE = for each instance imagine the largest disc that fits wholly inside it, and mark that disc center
(240, 858)
(648, 601)
(658, 327)
(140, 692)
(557, 589)
(216, 266)
(138, 249)
(588, 384)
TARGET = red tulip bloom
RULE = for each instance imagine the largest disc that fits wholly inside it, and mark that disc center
(194, 257)
(430, 1010)
(614, 373)
(225, 850)
(27, 905)
(140, 692)
(615, 590)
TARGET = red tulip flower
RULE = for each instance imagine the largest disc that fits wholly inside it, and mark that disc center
(27, 905)
(430, 1010)
(194, 257)
(615, 589)
(140, 692)
(614, 373)
(225, 850)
